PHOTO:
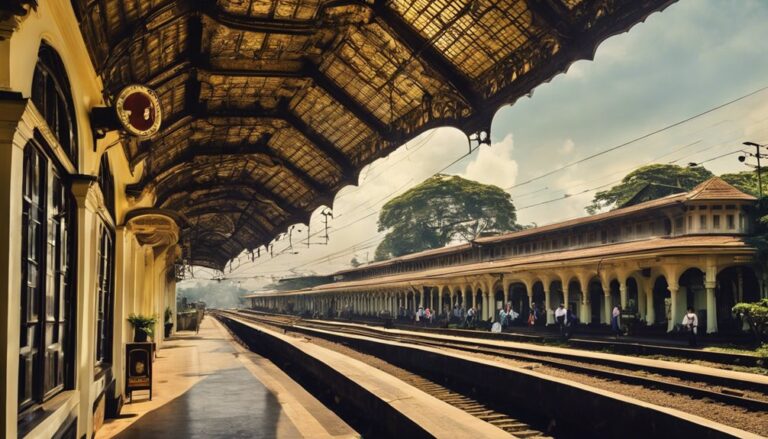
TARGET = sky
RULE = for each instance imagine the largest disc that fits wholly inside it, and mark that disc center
(642, 96)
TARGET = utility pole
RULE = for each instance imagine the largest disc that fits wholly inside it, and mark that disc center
(757, 155)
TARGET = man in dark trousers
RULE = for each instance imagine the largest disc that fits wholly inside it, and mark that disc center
(691, 325)
(561, 316)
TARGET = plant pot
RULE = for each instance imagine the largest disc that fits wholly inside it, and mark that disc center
(139, 335)
(168, 327)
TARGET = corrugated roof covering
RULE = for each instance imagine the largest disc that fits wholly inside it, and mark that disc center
(272, 106)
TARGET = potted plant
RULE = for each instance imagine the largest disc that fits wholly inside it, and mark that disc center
(143, 326)
(168, 321)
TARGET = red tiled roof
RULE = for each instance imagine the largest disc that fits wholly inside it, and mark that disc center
(717, 189)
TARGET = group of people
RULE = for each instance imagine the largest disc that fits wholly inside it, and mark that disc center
(565, 319)
(426, 316)
(468, 317)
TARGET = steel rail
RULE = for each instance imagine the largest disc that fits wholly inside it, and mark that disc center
(569, 364)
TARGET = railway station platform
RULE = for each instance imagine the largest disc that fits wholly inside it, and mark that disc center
(208, 386)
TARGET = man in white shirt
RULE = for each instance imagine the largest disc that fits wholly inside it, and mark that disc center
(561, 317)
(691, 324)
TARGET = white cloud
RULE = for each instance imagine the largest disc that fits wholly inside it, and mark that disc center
(568, 146)
(494, 164)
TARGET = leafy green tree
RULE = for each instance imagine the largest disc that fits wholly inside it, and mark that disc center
(759, 237)
(756, 315)
(660, 175)
(745, 181)
(441, 210)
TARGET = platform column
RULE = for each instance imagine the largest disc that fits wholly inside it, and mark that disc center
(607, 311)
(548, 305)
(432, 298)
(489, 306)
(585, 314)
(623, 293)
(421, 297)
(711, 308)
(650, 316)
(675, 308)
(641, 299)
(710, 283)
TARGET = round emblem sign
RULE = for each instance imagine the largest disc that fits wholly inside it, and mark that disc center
(138, 109)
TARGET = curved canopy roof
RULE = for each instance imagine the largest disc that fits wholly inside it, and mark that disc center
(271, 106)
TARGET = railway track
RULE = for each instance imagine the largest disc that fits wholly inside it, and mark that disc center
(475, 408)
(512, 425)
(617, 346)
(687, 383)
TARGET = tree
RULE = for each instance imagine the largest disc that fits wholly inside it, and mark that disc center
(354, 262)
(663, 178)
(745, 181)
(441, 210)
(756, 316)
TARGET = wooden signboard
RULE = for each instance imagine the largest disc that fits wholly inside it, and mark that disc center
(138, 370)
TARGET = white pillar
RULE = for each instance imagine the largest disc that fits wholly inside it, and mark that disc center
(607, 311)
(675, 308)
(490, 309)
(623, 293)
(711, 308)
(650, 316)
(548, 305)
(586, 312)
(642, 299)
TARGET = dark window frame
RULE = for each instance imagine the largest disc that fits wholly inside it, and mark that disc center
(105, 296)
(46, 359)
(53, 301)
(52, 97)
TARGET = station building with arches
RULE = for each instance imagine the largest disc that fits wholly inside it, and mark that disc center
(654, 258)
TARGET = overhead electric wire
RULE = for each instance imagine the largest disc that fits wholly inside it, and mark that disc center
(566, 196)
(566, 166)
(637, 139)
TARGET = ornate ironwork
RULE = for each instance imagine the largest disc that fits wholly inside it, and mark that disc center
(294, 98)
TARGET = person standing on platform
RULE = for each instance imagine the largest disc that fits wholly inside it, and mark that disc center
(561, 315)
(571, 321)
(470, 315)
(615, 324)
(691, 324)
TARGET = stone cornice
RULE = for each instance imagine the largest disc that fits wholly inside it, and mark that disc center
(153, 228)
(88, 195)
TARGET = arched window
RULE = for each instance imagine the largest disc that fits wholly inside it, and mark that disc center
(48, 296)
(52, 96)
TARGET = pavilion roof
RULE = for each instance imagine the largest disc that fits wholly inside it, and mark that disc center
(272, 106)
(543, 261)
